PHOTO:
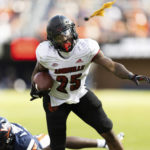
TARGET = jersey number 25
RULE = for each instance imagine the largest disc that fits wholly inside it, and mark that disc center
(75, 82)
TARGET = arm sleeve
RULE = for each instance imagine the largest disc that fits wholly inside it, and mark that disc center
(94, 49)
(40, 55)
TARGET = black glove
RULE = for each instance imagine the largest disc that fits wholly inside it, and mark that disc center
(37, 94)
(136, 78)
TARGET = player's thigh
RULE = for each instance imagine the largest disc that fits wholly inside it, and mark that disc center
(56, 124)
(55, 118)
(91, 111)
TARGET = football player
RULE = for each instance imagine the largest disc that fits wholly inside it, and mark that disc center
(67, 59)
(15, 137)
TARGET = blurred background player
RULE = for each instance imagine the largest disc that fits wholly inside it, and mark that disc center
(15, 137)
(68, 58)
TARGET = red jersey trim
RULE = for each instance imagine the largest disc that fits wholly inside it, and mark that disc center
(95, 55)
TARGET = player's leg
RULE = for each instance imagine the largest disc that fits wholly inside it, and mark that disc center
(112, 140)
(78, 142)
(56, 124)
(90, 110)
(73, 142)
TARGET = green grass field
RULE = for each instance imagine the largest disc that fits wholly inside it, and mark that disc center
(128, 109)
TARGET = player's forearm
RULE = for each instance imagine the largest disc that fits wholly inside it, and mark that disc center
(34, 72)
(122, 72)
(38, 68)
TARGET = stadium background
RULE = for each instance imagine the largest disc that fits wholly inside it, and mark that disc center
(123, 34)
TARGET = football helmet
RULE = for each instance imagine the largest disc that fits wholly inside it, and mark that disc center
(6, 137)
(62, 34)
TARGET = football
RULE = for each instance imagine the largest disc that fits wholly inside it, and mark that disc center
(43, 81)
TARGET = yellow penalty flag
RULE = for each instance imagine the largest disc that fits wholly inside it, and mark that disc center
(101, 11)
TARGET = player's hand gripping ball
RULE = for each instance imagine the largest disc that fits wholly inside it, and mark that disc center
(43, 81)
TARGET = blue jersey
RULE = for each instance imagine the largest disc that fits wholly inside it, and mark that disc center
(24, 140)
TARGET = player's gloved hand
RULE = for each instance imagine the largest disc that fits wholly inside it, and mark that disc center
(137, 78)
(36, 93)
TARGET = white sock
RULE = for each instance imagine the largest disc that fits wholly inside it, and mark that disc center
(101, 143)
(120, 136)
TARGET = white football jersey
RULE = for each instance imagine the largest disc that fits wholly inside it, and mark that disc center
(69, 74)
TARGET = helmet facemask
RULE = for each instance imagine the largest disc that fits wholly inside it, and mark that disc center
(63, 41)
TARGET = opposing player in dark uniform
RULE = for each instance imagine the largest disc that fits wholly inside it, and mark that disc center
(67, 59)
(15, 137)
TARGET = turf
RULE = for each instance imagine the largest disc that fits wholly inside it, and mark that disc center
(128, 109)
